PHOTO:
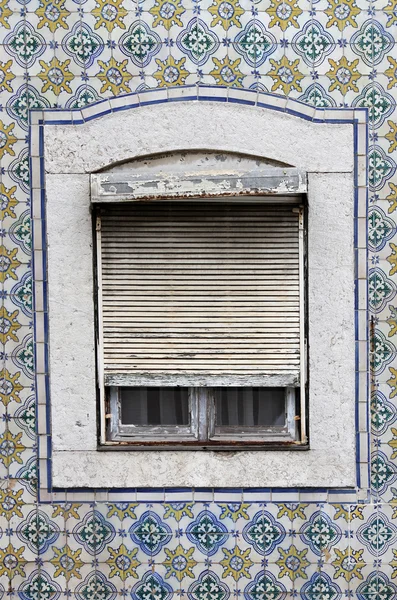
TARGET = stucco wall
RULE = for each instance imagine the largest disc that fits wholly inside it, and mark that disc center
(331, 460)
(346, 68)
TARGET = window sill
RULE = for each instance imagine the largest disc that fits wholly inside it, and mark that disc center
(199, 446)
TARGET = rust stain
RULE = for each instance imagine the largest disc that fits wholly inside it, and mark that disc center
(327, 554)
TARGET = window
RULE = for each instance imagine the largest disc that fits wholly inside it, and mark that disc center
(206, 415)
(201, 328)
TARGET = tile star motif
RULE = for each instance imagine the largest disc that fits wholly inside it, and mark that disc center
(383, 473)
(40, 586)
(381, 289)
(151, 587)
(25, 417)
(381, 168)
(208, 586)
(263, 533)
(265, 586)
(167, 13)
(109, 13)
(12, 562)
(122, 510)
(7, 139)
(38, 532)
(372, 43)
(236, 563)
(10, 388)
(379, 103)
(234, 511)
(207, 533)
(313, 43)
(25, 44)
(392, 321)
(95, 587)
(8, 264)
(22, 295)
(293, 563)
(284, 14)
(342, 13)
(11, 446)
(11, 503)
(320, 533)
(380, 229)
(6, 76)
(255, 43)
(67, 562)
(83, 45)
(94, 532)
(179, 562)
(377, 587)
(383, 413)
(114, 76)
(319, 587)
(9, 326)
(150, 533)
(377, 534)
(8, 202)
(316, 95)
(122, 562)
(177, 510)
(25, 99)
(226, 13)
(348, 564)
(197, 41)
(140, 44)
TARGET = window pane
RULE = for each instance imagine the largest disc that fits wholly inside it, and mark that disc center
(154, 406)
(250, 407)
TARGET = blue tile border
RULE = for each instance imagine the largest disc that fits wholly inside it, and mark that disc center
(135, 101)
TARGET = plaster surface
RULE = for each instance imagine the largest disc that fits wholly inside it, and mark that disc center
(330, 461)
(198, 125)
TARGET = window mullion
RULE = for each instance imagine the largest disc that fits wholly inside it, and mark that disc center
(203, 416)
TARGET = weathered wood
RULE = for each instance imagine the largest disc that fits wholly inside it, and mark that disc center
(234, 307)
(162, 379)
(235, 183)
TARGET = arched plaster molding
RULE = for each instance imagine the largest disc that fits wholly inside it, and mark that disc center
(213, 126)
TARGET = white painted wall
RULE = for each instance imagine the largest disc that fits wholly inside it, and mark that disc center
(71, 153)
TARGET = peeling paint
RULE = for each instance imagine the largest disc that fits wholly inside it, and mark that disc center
(200, 181)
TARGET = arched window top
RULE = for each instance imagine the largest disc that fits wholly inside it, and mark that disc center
(197, 174)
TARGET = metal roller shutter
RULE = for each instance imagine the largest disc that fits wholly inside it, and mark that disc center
(200, 288)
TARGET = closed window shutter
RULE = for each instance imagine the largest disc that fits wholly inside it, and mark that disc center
(200, 288)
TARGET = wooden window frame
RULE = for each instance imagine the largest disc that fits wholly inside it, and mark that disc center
(115, 436)
(202, 430)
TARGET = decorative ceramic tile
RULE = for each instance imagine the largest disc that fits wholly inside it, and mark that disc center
(70, 54)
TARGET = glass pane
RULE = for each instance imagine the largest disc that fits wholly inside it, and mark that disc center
(154, 406)
(250, 407)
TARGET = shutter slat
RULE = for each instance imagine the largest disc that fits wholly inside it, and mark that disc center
(210, 288)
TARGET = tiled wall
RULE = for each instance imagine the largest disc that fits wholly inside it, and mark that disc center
(70, 53)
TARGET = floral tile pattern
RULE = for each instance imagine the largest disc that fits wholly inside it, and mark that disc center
(71, 53)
